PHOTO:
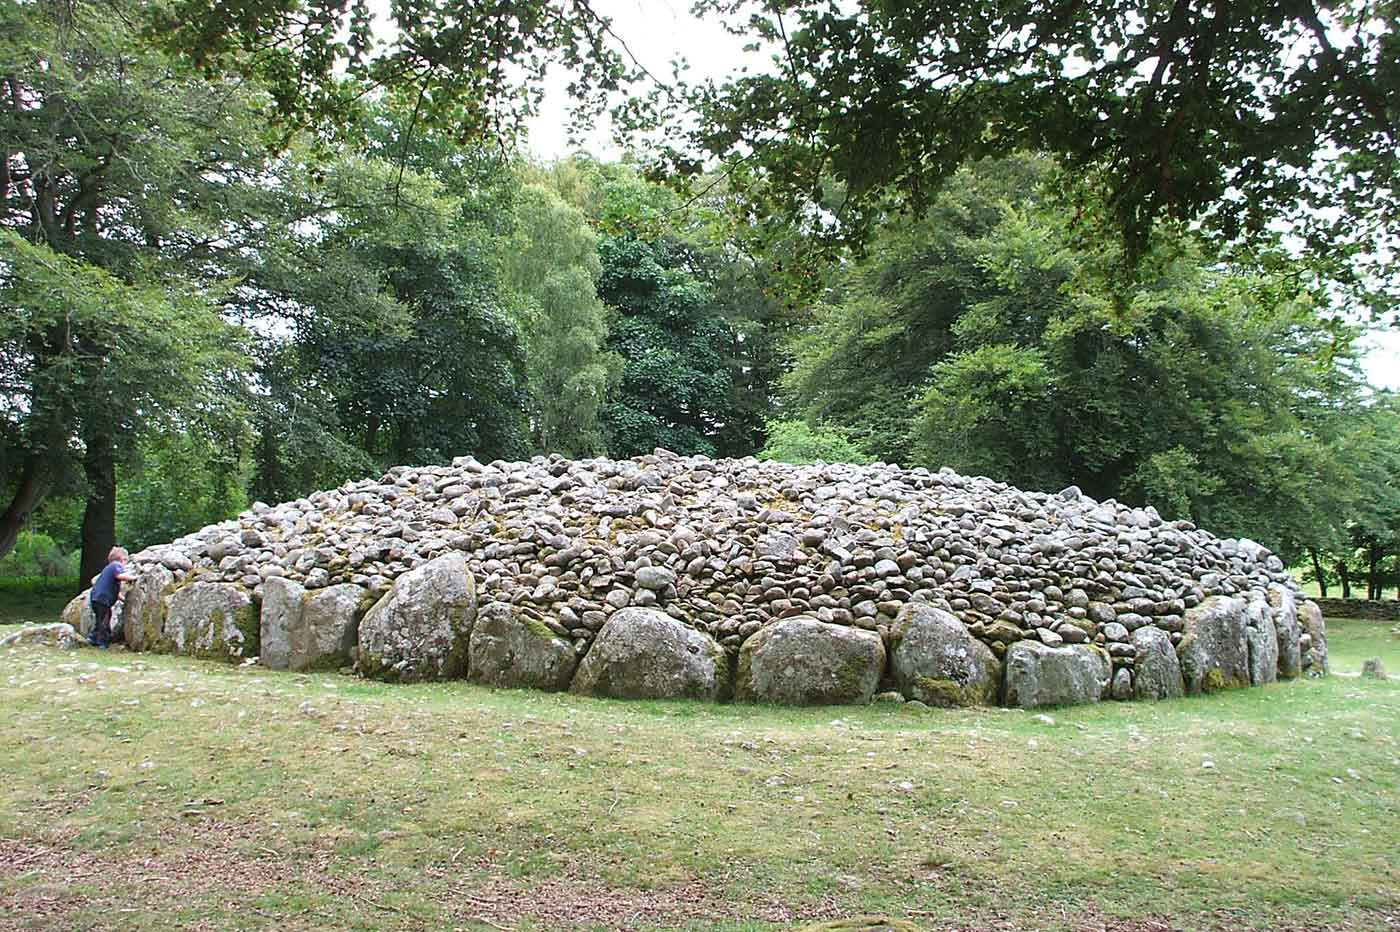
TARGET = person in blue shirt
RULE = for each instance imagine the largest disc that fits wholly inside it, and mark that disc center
(107, 592)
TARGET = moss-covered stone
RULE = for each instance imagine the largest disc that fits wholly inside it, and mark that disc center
(327, 627)
(145, 607)
(1214, 653)
(803, 661)
(933, 658)
(511, 649)
(212, 621)
(421, 628)
(642, 653)
(1038, 675)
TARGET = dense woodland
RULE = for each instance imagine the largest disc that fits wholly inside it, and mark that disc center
(225, 279)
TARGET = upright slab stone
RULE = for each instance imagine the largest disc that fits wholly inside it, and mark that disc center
(641, 653)
(421, 628)
(326, 635)
(281, 612)
(509, 649)
(1156, 669)
(803, 661)
(1262, 637)
(1284, 605)
(934, 659)
(1038, 675)
(1310, 618)
(213, 621)
(144, 615)
(1214, 652)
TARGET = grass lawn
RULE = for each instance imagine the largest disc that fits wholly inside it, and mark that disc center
(146, 792)
(31, 607)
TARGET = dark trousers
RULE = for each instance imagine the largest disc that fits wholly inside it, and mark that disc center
(101, 634)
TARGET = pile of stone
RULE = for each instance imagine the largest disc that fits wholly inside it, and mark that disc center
(688, 576)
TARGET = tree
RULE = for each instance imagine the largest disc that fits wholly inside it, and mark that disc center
(994, 340)
(130, 180)
(1239, 114)
(475, 70)
(180, 482)
(81, 346)
(1182, 109)
(551, 265)
(392, 329)
(861, 358)
(690, 324)
(799, 442)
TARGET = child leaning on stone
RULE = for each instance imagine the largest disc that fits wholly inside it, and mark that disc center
(107, 592)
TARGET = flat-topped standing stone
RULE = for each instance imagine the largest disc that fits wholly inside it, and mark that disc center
(327, 635)
(421, 628)
(803, 661)
(641, 653)
(1156, 669)
(933, 658)
(510, 650)
(143, 625)
(281, 612)
(1262, 637)
(1038, 675)
(212, 620)
(1284, 605)
(1310, 618)
(1214, 653)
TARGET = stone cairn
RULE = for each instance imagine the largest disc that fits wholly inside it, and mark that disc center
(667, 576)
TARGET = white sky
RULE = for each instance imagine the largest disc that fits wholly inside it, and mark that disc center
(658, 31)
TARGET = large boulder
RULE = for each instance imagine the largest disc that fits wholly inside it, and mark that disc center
(315, 630)
(642, 653)
(511, 649)
(421, 628)
(78, 613)
(1156, 669)
(281, 612)
(1262, 637)
(58, 634)
(143, 618)
(1284, 605)
(328, 631)
(933, 658)
(213, 620)
(1037, 674)
(1214, 652)
(803, 661)
(1315, 661)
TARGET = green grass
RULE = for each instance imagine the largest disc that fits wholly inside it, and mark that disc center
(1351, 641)
(152, 792)
(32, 605)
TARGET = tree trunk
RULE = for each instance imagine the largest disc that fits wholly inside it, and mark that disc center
(1345, 577)
(1317, 572)
(371, 433)
(28, 495)
(100, 515)
(1373, 588)
(268, 485)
